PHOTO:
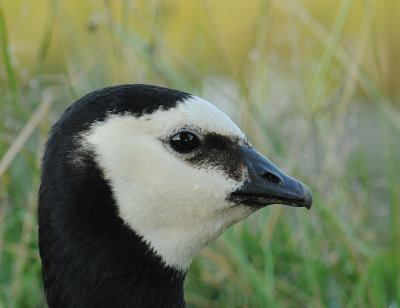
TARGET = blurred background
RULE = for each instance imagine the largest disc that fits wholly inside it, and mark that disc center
(313, 84)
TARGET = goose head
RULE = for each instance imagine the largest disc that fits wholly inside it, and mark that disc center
(136, 180)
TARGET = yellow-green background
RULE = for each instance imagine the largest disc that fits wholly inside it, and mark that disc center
(314, 84)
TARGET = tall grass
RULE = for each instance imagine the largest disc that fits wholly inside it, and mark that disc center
(314, 103)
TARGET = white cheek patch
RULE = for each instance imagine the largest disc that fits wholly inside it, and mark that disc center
(175, 207)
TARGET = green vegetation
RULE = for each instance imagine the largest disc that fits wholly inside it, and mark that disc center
(313, 84)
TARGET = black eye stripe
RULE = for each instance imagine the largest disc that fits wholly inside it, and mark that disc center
(220, 152)
(211, 150)
(184, 142)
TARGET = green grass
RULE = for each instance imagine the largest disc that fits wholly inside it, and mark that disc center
(319, 112)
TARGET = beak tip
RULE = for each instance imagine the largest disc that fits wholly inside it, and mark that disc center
(307, 197)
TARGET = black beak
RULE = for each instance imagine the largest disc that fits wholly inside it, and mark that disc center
(268, 185)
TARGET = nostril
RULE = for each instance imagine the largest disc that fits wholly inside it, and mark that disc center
(272, 178)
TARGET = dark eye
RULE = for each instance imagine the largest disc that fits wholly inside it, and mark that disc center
(184, 142)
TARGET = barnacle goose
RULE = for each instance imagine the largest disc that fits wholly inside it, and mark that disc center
(136, 180)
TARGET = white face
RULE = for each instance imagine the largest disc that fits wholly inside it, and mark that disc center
(176, 202)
